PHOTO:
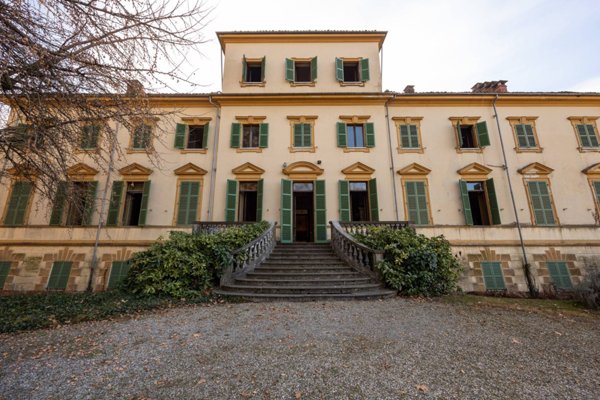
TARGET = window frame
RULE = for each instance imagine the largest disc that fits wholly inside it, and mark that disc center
(312, 63)
(180, 180)
(68, 204)
(523, 120)
(400, 121)
(14, 181)
(250, 120)
(356, 120)
(585, 120)
(467, 121)
(150, 145)
(188, 121)
(98, 138)
(552, 280)
(422, 178)
(110, 272)
(526, 181)
(253, 60)
(302, 119)
(359, 60)
(483, 275)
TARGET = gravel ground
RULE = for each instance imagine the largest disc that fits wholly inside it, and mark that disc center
(335, 350)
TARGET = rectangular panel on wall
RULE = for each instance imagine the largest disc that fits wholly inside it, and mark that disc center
(286, 211)
(320, 212)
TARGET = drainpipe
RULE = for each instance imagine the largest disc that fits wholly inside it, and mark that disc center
(392, 168)
(213, 167)
(94, 267)
(533, 292)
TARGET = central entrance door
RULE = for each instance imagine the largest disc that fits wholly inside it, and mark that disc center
(303, 193)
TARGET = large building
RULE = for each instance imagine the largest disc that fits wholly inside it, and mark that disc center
(302, 134)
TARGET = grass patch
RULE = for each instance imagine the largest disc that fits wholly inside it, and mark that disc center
(37, 311)
(551, 306)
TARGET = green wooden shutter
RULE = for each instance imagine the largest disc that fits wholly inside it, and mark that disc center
(290, 73)
(344, 188)
(231, 200)
(373, 202)
(59, 277)
(339, 69)
(492, 275)
(244, 68)
(530, 136)
(144, 205)
(17, 205)
(404, 137)
(115, 203)
(205, 136)
(416, 202)
(180, 136)
(298, 135)
(596, 185)
(370, 134)
(414, 137)
(193, 198)
(118, 273)
(587, 135)
(494, 209)
(95, 135)
(89, 203)
(286, 211)
(235, 135)
(320, 212)
(464, 193)
(559, 273)
(262, 69)
(460, 139)
(187, 209)
(4, 270)
(364, 70)
(482, 134)
(521, 136)
(341, 134)
(59, 203)
(263, 140)
(313, 69)
(541, 203)
(259, 200)
(90, 136)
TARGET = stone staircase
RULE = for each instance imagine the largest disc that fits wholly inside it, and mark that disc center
(305, 272)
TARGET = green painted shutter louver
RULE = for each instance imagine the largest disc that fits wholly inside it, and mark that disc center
(344, 188)
(231, 200)
(286, 211)
(259, 200)
(416, 202)
(263, 64)
(144, 205)
(370, 134)
(483, 137)
(364, 70)
(373, 201)
(59, 203)
(205, 136)
(236, 129)
(320, 212)
(541, 203)
(492, 275)
(409, 137)
(263, 136)
(244, 68)
(59, 276)
(341, 134)
(180, 136)
(494, 209)
(460, 139)
(17, 205)
(596, 185)
(4, 270)
(313, 69)
(559, 273)
(339, 69)
(587, 135)
(464, 194)
(89, 202)
(298, 135)
(118, 273)
(187, 210)
(90, 136)
(521, 136)
(290, 73)
(112, 218)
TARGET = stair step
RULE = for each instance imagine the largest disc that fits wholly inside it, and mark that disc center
(315, 274)
(307, 270)
(304, 262)
(312, 281)
(302, 289)
(366, 295)
(308, 257)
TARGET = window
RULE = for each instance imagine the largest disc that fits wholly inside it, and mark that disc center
(244, 201)
(409, 138)
(586, 132)
(4, 270)
(74, 203)
(248, 201)
(596, 192)
(128, 203)
(355, 135)
(301, 70)
(540, 201)
(253, 70)
(479, 202)
(409, 134)
(470, 134)
(417, 202)
(525, 134)
(118, 273)
(352, 70)
(18, 203)
(24, 136)
(191, 136)
(188, 202)
(89, 137)
(59, 276)
(142, 137)
(492, 275)
(358, 201)
(559, 274)
(249, 134)
(302, 135)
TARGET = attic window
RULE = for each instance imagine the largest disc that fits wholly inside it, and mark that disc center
(351, 73)
(253, 70)
(302, 72)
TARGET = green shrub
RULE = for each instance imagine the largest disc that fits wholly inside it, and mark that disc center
(414, 264)
(186, 265)
(588, 291)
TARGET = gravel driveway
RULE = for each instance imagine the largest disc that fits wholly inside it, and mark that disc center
(388, 349)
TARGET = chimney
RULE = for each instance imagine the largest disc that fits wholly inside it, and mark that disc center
(490, 87)
(409, 89)
(134, 88)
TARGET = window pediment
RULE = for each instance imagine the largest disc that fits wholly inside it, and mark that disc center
(135, 172)
(414, 169)
(358, 172)
(302, 170)
(474, 170)
(535, 169)
(81, 172)
(248, 172)
(190, 169)
(592, 169)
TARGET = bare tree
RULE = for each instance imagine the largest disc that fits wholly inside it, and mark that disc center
(71, 70)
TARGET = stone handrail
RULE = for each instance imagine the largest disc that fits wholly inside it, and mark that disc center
(363, 226)
(209, 228)
(248, 257)
(359, 256)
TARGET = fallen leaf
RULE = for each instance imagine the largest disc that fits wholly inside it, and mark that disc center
(422, 388)
(201, 382)
(516, 341)
(298, 395)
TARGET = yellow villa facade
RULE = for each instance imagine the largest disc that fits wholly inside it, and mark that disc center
(303, 134)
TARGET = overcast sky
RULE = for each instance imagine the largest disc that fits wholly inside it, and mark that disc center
(439, 45)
